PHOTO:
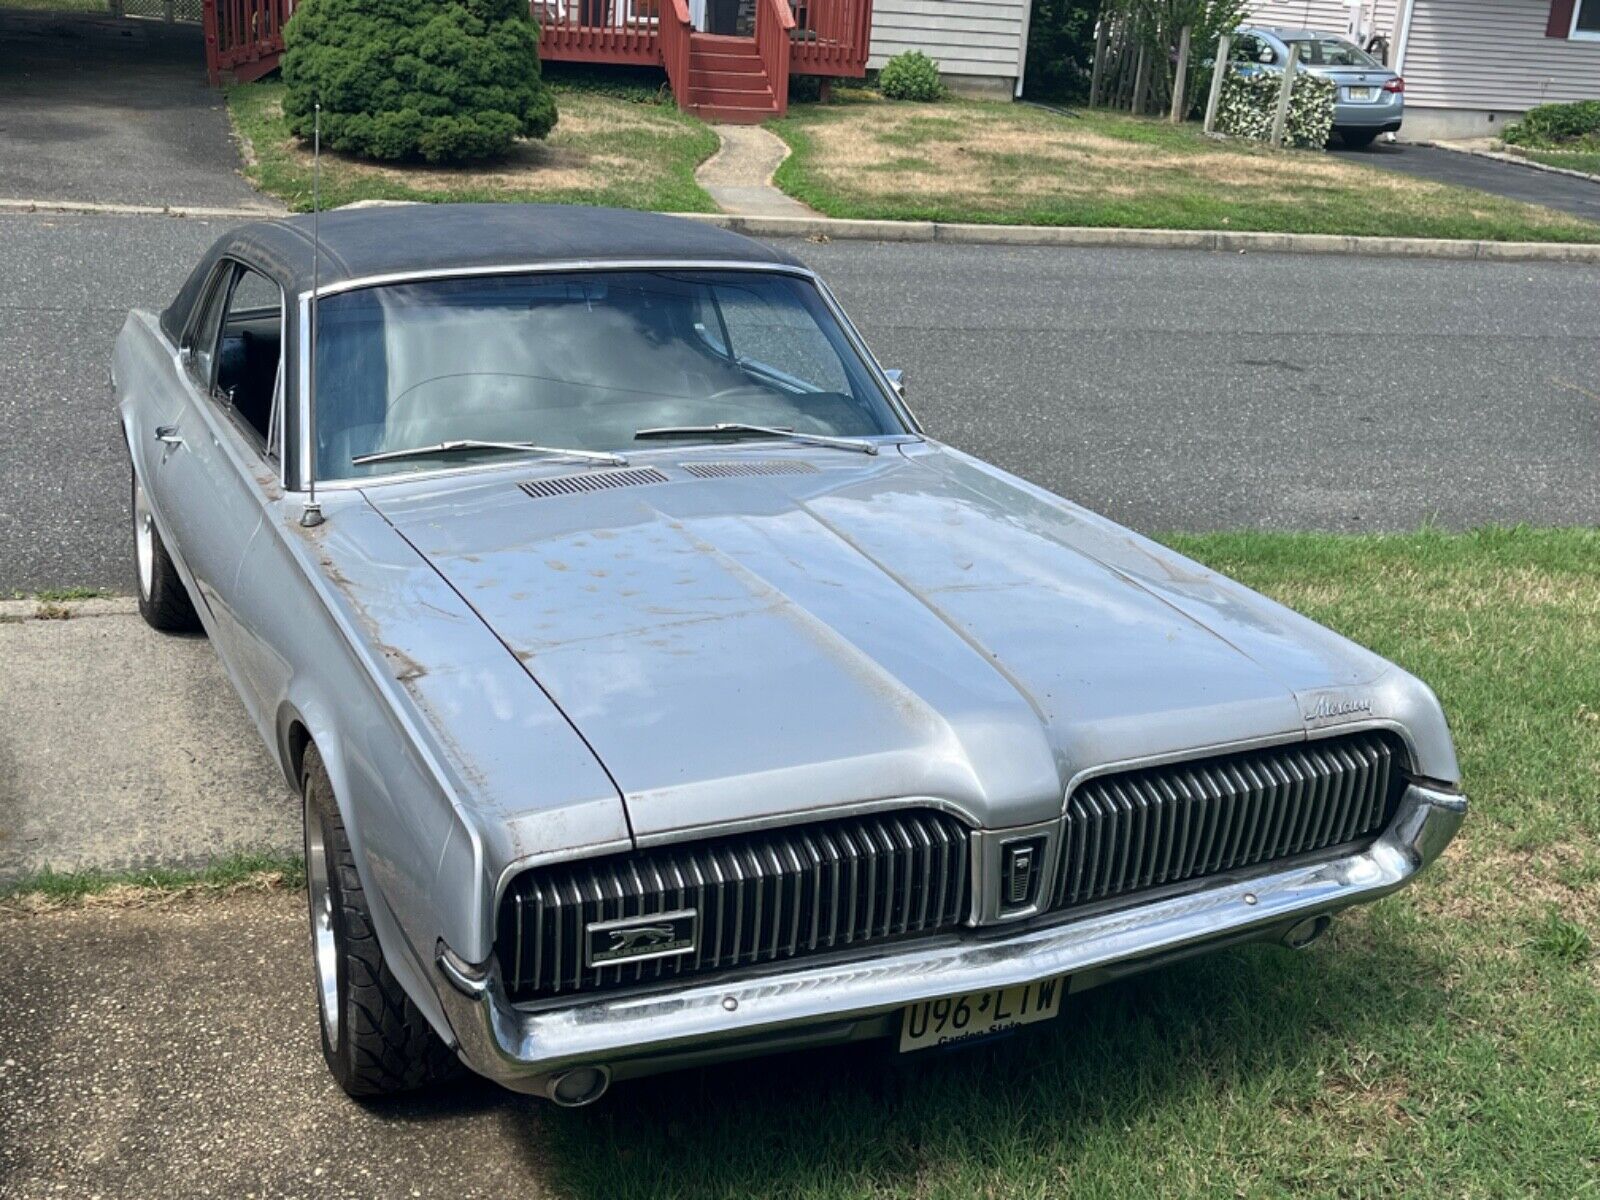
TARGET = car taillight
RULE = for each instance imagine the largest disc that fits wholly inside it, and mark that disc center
(1395, 85)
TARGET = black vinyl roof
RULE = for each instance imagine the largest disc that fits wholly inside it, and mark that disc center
(409, 238)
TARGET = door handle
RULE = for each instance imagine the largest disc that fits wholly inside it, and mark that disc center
(167, 435)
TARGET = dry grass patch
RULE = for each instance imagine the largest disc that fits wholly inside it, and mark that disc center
(974, 161)
(604, 150)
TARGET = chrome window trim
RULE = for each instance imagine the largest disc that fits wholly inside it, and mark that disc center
(897, 405)
(264, 450)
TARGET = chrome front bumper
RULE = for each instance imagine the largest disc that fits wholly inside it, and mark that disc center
(840, 1000)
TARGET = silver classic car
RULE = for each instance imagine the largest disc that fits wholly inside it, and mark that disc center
(660, 693)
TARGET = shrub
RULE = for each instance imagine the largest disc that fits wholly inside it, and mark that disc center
(1249, 103)
(1557, 126)
(440, 80)
(911, 75)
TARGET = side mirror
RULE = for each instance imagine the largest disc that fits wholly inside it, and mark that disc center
(897, 380)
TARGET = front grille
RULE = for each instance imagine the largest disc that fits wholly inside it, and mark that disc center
(1141, 829)
(759, 897)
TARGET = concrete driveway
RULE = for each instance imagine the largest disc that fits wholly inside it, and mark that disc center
(113, 111)
(1576, 196)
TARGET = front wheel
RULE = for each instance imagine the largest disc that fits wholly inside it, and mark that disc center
(163, 601)
(375, 1040)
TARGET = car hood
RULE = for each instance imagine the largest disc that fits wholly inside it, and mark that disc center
(746, 647)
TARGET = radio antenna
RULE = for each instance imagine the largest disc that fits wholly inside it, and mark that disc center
(311, 516)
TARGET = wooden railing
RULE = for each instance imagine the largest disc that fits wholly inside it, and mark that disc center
(675, 30)
(774, 22)
(608, 31)
(244, 36)
(831, 36)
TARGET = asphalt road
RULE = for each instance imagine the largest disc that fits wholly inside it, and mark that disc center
(1168, 389)
(1579, 197)
(93, 108)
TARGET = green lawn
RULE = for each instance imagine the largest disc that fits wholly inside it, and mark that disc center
(1572, 160)
(1444, 1042)
(1015, 164)
(605, 150)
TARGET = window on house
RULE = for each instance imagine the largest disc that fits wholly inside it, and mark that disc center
(1586, 19)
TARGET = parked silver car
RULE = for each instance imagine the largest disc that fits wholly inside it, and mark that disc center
(1371, 98)
(660, 693)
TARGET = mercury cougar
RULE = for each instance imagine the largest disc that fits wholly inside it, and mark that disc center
(658, 692)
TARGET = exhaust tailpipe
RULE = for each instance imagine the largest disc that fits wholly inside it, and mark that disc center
(579, 1086)
(1303, 934)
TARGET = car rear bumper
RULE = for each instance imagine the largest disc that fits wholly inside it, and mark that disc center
(1384, 116)
(818, 1002)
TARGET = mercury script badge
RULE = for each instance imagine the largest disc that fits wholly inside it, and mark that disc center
(638, 939)
(1325, 709)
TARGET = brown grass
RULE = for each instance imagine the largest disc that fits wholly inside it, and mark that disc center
(569, 160)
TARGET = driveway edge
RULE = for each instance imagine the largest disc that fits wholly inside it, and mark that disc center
(1156, 239)
(1515, 160)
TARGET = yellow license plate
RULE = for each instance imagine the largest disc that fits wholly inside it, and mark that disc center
(951, 1019)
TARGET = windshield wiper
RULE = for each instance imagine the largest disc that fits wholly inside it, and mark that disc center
(810, 439)
(600, 456)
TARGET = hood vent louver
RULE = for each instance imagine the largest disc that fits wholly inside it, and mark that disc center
(725, 470)
(591, 481)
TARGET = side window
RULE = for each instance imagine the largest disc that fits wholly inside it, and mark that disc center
(203, 342)
(250, 352)
(776, 335)
(1243, 48)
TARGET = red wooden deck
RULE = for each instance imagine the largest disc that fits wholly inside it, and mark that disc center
(720, 77)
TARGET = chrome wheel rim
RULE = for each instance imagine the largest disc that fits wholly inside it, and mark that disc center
(144, 538)
(324, 942)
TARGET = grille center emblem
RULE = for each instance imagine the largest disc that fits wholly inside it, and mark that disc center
(641, 938)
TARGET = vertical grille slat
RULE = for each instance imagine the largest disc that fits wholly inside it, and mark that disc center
(1135, 830)
(758, 898)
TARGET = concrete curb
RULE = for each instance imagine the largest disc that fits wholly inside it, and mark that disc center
(1002, 235)
(95, 207)
(1157, 239)
(1515, 160)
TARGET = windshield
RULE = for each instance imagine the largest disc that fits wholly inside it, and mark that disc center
(582, 360)
(1332, 52)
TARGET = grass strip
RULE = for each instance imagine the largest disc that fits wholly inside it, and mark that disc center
(993, 163)
(245, 871)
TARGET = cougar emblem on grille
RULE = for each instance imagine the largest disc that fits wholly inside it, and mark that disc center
(645, 937)
(635, 939)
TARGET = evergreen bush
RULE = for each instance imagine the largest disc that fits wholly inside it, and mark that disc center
(445, 81)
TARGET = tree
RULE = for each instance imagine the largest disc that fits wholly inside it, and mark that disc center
(439, 80)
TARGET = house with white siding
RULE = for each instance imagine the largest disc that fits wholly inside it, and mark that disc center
(1470, 66)
(980, 45)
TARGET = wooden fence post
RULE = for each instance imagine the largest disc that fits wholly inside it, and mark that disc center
(1141, 80)
(1099, 59)
(1281, 117)
(1218, 70)
(1180, 82)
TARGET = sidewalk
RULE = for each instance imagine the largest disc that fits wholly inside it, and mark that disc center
(123, 748)
(739, 175)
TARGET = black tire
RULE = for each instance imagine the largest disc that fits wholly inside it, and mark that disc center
(163, 600)
(378, 1042)
(1357, 140)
